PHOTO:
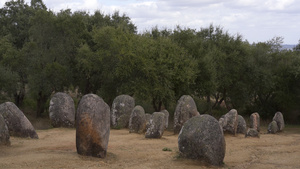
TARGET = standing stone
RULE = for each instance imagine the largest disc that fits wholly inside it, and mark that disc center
(17, 123)
(157, 125)
(278, 117)
(186, 108)
(4, 133)
(273, 127)
(62, 110)
(92, 126)
(121, 110)
(241, 127)
(231, 119)
(148, 118)
(255, 121)
(201, 137)
(222, 122)
(251, 132)
(137, 122)
(166, 118)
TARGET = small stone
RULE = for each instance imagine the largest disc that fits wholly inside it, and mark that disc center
(278, 117)
(273, 127)
(251, 132)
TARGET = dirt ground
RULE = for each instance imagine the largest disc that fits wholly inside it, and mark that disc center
(56, 148)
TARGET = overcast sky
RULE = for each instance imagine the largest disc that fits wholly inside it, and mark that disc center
(255, 20)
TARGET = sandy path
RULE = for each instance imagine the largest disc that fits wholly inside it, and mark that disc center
(56, 149)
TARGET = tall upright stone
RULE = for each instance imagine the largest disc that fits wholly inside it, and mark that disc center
(255, 121)
(166, 118)
(278, 117)
(92, 126)
(231, 119)
(121, 110)
(4, 133)
(137, 122)
(156, 126)
(62, 110)
(186, 108)
(201, 137)
(241, 127)
(17, 123)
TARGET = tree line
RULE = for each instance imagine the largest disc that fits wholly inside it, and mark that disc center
(43, 52)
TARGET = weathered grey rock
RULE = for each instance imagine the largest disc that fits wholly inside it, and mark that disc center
(148, 118)
(166, 118)
(222, 122)
(4, 133)
(92, 126)
(121, 110)
(137, 122)
(255, 121)
(273, 127)
(201, 137)
(17, 123)
(241, 127)
(251, 132)
(186, 108)
(62, 110)
(156, 126)
(278, 117)
(231, 121)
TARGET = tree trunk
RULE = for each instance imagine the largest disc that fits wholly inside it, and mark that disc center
(41, 102)
(156, 105)
(19, 96)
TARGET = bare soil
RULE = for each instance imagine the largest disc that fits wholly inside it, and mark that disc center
(56, 148)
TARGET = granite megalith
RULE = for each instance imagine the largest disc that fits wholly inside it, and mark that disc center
(166, 118)
(4, 133)
(201, 137)
(156, 125)
(241, 127)
(186, 108)
(137, 121)
(255, 121)
(251, 132)
(121, 109)
(62, 110)
(278, 117)
(17, 123)
(92, 126)
(273, 127)
(231, 122)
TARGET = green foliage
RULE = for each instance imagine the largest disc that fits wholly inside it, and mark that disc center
(166, 149)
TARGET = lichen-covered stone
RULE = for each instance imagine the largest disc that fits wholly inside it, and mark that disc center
(62, 110)
(255, 121)
(121, 110)
(273, 127)
(201, 137)
(156, 126)
(137, 122)
(231, 121)
(278, 117)
(4, 133)
(186, 108)
(92, 126)
(148, 118)
(17, 123)
(166, 118)
(241, 127)
(251, 132)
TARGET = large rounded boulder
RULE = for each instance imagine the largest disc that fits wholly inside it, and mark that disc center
(62, 110)
(92, 126)
(121, 110)
(156, 125)
(255, 121)
(241, 127)
(4, 133)
(186, 108)
(17, 123)
(231, 122)
(201, 137)
(278, 117)
(137, 122)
